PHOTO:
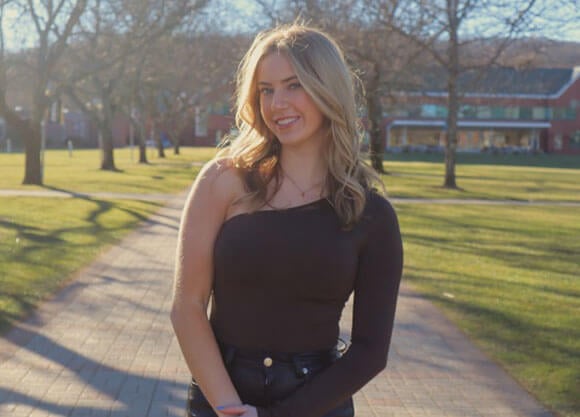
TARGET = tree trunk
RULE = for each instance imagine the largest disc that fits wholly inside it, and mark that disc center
(160, 150)
(31, 139)
(33, 168)
(176, 143)
(143, 154)
(159, 140)
(451, 140)
(375, 121)
(142, 145)
(107, 149)
(453, 97)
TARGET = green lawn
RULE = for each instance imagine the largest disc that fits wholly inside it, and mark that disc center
(507, 275)
(44, 240)
(81, 173)
(479, 178)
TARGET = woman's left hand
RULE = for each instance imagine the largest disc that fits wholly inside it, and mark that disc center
(239, 411)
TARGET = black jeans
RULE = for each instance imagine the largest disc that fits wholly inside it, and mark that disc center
(264, 378)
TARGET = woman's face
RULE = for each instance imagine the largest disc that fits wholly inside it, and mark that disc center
(288, 111)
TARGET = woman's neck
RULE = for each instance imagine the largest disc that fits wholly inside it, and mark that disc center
(305, 168)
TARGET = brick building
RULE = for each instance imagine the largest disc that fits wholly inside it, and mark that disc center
(502, 110)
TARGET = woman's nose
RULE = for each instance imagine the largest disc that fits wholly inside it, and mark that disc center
(279, 100)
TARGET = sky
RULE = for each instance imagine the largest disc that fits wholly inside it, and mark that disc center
(242, 15)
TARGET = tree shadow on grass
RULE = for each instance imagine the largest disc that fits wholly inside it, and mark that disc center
(102, 205)
(39, 243)
(522, 342)
(510, 245)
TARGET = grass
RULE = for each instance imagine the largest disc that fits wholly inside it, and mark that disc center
(466, 158)
(81, 173)
(44, 240)
(506, 275)
(480, 179)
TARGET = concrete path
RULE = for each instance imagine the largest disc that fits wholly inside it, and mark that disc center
(165, 197)
(73, 194)
(104, 347)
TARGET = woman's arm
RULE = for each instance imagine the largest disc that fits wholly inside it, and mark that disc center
(205, 210)
(375, 297)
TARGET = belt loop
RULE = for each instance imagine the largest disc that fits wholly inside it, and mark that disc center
(299, 367)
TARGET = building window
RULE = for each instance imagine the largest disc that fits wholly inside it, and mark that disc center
(467, 112)
(414, 110)
(498, 112)
(400, 112)
(525, 113)
(512, 113)
(558, 142)
(429, 110)
(441, 111)
(575, 140)
(538, 113)
(483, 112)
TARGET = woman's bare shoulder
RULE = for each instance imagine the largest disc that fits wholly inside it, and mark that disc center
(220, 178)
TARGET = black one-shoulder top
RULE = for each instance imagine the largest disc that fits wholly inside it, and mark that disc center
(282, 278)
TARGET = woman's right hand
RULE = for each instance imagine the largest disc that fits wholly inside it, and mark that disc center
(238, 411)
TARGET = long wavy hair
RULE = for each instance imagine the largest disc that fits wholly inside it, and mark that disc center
(322, 71)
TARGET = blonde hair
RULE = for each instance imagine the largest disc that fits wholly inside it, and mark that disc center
(322, 71)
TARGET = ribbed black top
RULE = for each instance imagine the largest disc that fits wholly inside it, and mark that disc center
(282, 278)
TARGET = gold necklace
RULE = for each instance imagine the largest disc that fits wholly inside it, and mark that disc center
(302, 192)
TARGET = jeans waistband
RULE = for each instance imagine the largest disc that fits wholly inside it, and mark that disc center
(230, 353)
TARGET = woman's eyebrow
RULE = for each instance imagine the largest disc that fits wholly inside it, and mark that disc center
(285, 80)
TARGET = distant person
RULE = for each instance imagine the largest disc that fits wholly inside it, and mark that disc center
(279, 231)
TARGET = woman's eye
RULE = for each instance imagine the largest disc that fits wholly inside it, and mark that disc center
(265, 91)
(294, 86)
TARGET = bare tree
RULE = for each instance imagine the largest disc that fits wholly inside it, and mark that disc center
(53, 23)
(379, 54)
(383, 59)
(12, 118)
(448, 29)
(204, 66)
(116, 38)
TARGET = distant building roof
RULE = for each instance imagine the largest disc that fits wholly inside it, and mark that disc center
(500, 80)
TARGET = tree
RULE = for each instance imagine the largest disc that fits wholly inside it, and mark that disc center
(379, 54)
(202, 75)
(115, 39)
(383, 59)
(448, 30)
(53, 23)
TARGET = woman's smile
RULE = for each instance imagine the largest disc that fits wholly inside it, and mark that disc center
(287, 109)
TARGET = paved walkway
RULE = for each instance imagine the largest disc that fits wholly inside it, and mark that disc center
(104, 347)
(74, 194)
(165, 197)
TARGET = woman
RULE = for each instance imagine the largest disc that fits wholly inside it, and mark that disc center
(280, 231)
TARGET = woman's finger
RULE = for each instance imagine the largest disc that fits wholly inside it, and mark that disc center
(232, 410)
